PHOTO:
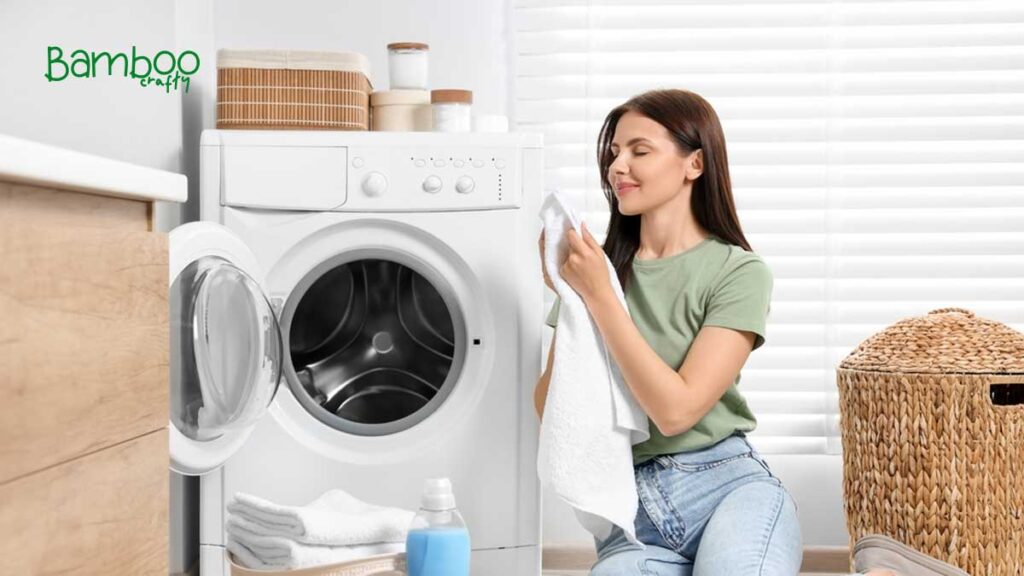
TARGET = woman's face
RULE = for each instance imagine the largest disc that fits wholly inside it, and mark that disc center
(649, 169)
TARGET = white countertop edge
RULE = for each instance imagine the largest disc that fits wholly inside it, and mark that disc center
(38, 164)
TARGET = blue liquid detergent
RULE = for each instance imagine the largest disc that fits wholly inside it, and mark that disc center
(438, 552)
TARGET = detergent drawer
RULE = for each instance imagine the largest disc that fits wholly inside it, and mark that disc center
(284, 177)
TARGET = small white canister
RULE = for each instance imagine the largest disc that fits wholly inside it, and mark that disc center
(400, 111)
(490, 123)
(452, 110)
(407, 65)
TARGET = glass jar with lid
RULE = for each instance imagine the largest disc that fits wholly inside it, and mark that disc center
(407, 65)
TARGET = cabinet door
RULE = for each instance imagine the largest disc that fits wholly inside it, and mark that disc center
(83, 326)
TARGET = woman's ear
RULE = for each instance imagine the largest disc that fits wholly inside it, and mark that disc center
(695, 164)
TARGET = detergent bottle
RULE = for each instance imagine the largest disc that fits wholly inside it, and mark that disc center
(438, 542)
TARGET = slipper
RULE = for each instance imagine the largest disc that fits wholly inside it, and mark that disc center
(875, 551)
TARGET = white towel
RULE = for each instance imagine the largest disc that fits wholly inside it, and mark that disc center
(591, 420)
(334, 519)
(258, 551)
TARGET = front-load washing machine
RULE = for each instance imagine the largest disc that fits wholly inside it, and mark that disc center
(362, 311)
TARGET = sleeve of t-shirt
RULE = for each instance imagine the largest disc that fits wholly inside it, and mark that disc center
(742, 299)
(552, 319)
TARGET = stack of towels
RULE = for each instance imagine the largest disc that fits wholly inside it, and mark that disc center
(336, 527)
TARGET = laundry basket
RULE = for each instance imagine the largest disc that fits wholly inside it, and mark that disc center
(933, 439)
(382, 565)
(290, 89)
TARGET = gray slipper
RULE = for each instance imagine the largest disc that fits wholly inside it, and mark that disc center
(876, 551)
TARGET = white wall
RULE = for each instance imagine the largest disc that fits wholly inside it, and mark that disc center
(466, 37)
(108, 116)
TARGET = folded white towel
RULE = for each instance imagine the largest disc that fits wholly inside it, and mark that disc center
(334, 519)
(258, 551)
(591, 419)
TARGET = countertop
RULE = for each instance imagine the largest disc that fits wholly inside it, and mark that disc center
(27, 162)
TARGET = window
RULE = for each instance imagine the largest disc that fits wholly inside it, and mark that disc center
(876, 149)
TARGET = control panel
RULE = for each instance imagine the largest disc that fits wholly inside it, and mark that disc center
(432, 179)
(368, 171)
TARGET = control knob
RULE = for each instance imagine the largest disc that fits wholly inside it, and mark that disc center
(375, 184)
(464, 185)
(432, 184)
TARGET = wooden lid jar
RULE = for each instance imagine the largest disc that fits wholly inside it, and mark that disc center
(407, 65)
(452, 110)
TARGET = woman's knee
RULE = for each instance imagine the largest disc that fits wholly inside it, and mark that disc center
(626, 563)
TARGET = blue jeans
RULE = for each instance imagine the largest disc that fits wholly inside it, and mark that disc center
(718, 511)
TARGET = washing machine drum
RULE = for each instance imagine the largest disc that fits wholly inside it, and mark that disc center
(372, 342)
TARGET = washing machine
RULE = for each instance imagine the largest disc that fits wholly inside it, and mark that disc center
(362, 310)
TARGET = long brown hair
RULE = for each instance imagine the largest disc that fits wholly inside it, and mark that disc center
(692, 124)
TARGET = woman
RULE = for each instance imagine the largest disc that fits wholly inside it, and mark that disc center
(698, 300)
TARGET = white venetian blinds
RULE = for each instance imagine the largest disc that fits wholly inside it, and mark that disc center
(876, 149)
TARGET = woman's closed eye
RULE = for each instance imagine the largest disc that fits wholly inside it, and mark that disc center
(615, 153)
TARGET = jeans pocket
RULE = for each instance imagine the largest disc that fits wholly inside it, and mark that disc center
(764, 463)
(663, 566)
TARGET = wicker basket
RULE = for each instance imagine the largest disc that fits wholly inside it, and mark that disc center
(933, 439)
(382, 565)
(278, 89)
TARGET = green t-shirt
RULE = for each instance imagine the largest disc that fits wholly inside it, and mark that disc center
(671, 298)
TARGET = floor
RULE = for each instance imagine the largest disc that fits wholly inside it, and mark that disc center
(584, 573)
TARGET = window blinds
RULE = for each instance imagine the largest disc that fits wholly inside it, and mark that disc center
(876, 149)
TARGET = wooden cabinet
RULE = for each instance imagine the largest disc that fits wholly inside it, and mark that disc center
(84, 383)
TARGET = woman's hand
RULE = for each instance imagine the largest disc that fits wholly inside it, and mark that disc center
(543, 267)
(585, 269)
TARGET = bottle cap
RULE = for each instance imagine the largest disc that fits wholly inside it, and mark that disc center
(437, 494)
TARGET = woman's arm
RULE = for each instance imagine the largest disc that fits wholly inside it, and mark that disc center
(674, 400)
(540, 393)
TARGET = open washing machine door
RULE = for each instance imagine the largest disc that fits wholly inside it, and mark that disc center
(226, 347)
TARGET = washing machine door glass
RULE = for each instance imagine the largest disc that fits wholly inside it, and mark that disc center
(373, 345)
(228, 336)
(226, 352)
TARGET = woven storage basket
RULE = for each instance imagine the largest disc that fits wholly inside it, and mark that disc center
(279, 89)
(933, 452)
(382, 565)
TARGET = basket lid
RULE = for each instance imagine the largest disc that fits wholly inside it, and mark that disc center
(294, 60)
(947, 340)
